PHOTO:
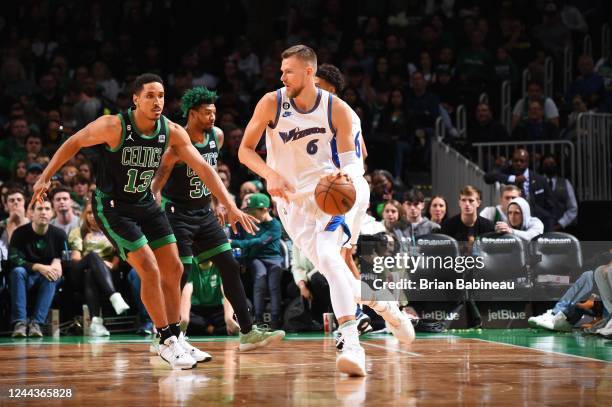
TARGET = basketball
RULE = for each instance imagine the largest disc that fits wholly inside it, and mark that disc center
(335, 194)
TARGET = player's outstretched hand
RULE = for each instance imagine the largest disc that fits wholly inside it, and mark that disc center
(248, 222)
(39, 191)
(278, 186)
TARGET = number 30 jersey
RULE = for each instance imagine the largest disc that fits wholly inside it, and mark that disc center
(298, 143)
(125, 172)
(184, 188)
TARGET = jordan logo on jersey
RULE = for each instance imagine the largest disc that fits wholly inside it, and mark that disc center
(128, 129)
(296, 134)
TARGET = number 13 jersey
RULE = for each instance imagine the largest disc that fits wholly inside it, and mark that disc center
(126, 171)
(298, 142)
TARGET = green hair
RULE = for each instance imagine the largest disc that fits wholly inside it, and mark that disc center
(195, 97)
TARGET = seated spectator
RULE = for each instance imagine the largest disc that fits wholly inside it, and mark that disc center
(414, 203)
(18, 175)
(311, 283)
(247, 188)
(35, 254)
(467, 226)
(33, 172)
(68, 174)
(13, 147)
(437, 209)
(86, 171)
(445, 89)
(382, 191)
(566, 207)
(474, 63)
(504, 68)
(93, 257)
(520, 222)
(204, 309)
(264, 258)
(80, 190)
(567, 311)
(588, 84)
(552, 33)
(535, 128)
(395, 126)
(422, 105)
(33, 146)
(535, 93)
(578, 107)
(533, 186)
(498, 213)
(65, 218)
(486, 129)
(15, 204)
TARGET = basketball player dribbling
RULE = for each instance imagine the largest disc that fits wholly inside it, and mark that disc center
(130, 147)
(300, 121)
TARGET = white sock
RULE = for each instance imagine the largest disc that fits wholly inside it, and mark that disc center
(118, 303)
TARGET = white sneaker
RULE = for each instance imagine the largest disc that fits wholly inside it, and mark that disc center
(173, 353)
(118, 303)
(352, 358)
(195, 353)
(97, 327)
(606, 330)
(396, 321)
(542, 321)
(560, 323)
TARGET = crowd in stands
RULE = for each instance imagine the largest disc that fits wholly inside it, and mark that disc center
(406, 64)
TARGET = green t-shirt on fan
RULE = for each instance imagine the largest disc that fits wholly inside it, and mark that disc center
(206, 287)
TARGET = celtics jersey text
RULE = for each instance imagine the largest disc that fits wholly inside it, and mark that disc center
(125, 172)
(184, 187)
(298, 143)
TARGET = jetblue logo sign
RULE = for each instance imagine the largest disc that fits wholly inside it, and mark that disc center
(296, 134)
(506, 314)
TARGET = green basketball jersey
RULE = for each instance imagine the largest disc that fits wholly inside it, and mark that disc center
(125, 172)
(184, 187)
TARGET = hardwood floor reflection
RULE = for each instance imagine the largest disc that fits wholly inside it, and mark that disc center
(449, 371)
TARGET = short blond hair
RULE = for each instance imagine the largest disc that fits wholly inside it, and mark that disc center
(302, 52)
(470, 190)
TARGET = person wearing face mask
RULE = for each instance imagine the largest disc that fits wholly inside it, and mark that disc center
(566, 207)
(520, 221)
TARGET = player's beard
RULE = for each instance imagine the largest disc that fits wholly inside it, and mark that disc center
(295, 92)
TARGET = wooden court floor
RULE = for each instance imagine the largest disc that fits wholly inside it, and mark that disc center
(456, 369)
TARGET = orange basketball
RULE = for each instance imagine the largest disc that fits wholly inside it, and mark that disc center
(335, 194)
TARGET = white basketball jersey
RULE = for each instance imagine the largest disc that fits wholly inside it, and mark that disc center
(299, 143)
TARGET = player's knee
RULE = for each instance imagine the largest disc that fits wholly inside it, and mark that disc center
(172, 269)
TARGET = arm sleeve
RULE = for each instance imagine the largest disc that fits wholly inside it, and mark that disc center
(536, 228)
(550, 109)
(75, 241)
(494, 176)
(572, 206)
(266, 236)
